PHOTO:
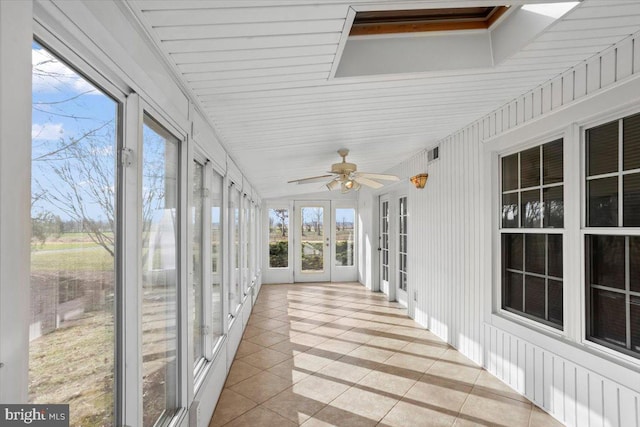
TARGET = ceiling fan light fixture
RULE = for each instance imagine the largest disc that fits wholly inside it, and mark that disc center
(333, 184)
(345, 176)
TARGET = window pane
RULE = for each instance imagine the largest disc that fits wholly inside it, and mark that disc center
(510, 172)
(510, 210)
(278, 238)
(73, 244)
(534, 296)
(246, 236)
(602, 149)
(216, 253)
(197, 224)
(512, 245)
(345, 222)
(552, 162)
(607, 261)
(555, 302)
(512, 297)
(234, 234)
(531, 209)
(634, 263)
(608, 319)
(635, 324)
(602, 202)
(159, 272)
(631, 142)
(554, 255)
(530, 168)
(631, 201)
(535, 247)
(553, 207)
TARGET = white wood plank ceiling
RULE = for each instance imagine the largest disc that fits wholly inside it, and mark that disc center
(260, 70)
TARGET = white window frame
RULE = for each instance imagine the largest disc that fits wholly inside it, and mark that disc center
(620, 230)
(205, 255)
(496, 181)
(498, 307)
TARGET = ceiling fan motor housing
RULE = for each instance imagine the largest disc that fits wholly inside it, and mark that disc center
(343, 168)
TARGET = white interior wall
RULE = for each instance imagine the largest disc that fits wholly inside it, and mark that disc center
(451, 229)
(15, 198)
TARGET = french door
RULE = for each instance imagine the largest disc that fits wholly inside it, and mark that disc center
(312, 242)
(384, 245)
(402, 236)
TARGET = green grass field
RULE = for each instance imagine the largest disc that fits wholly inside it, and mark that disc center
(70, 251)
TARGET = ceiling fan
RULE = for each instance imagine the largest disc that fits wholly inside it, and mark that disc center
(344, 175)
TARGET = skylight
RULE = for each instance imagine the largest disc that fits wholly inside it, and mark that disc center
(552, 10)
(419, 20)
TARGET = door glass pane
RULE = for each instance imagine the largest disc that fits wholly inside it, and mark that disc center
(312, 241)
(73, 243)
(160, 166)
(197, 246)
(216, 254)
(278, 238)
(402, 245)
(345, 226)
(385, 240)
(602, 149)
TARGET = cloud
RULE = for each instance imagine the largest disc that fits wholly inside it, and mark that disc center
(47, 131)
(51, 75)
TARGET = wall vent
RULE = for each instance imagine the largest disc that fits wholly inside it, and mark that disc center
(433, 154)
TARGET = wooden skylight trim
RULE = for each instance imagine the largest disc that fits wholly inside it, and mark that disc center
(423, 20)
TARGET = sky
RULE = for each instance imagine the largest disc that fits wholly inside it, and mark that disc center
(66, 106)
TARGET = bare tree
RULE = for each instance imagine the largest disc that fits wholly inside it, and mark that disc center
(85, 192)
(283, 216)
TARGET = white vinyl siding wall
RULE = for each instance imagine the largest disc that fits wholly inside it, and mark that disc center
(452, 260)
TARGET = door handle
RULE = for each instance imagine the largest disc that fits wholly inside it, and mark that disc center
(379, 249)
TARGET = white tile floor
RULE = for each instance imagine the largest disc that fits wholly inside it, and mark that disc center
(339, 355)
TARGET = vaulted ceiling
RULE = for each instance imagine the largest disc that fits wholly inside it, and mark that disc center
(261, 70)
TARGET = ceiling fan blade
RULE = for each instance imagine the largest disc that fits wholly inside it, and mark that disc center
(311, 179)
(384, 177)
(368, 182)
